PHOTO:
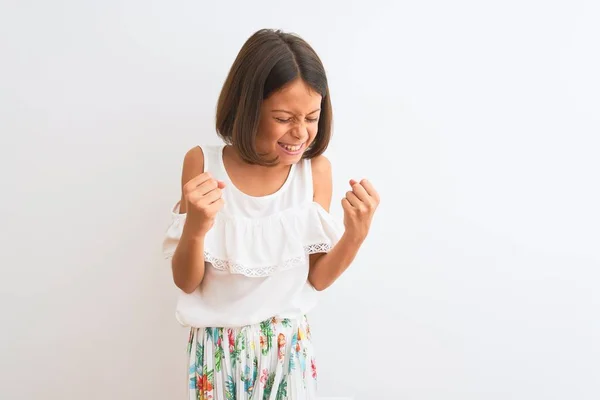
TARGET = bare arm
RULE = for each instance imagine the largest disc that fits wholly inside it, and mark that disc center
(359, 206)
(200, 199)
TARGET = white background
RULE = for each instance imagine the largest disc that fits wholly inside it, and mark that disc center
(478, 122)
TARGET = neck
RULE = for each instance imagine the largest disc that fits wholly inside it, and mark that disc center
(262, 169)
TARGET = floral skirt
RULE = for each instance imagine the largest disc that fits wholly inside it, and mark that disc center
(272, 360)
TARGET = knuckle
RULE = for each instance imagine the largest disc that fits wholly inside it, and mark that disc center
(190, 198)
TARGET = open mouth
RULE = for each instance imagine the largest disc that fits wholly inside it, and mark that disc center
(291, 149)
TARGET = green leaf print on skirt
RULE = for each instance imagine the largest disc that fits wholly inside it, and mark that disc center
(266, 337)
(268, 385)
(230, 389)
(282, 391)
(273, 359)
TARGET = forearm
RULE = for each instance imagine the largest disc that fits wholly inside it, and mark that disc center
(327, 268)
(188, 262)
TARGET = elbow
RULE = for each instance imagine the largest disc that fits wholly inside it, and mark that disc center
(318, 285)
(185, 287)
(320, 288)
(185, 284)
(188, 289)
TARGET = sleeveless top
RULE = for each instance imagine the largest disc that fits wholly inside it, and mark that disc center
(256, 254)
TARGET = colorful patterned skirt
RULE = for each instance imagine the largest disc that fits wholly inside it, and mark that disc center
(273, 360)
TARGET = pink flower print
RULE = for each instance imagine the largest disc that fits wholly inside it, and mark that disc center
(231, 340)
(264, 376)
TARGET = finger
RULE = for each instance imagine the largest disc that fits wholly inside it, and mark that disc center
(198, 180)
(361, 193)
(352, 199)
(215, 206)
(204, 199)
(193, 183)
(207, 186)
(213, 196)
(370, 189)
(346, 205)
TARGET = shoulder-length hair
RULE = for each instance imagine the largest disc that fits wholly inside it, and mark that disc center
(269, 60)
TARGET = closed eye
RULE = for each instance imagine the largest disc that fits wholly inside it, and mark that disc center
(285, 121)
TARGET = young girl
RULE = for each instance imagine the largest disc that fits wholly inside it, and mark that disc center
(252, 241)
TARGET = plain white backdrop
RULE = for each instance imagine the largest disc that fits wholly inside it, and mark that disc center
(477, 121)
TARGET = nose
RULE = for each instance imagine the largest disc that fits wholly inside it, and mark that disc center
(301, 132)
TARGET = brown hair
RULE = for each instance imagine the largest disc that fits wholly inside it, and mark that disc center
(269, 60)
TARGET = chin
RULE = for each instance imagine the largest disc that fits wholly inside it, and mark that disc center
(287, 160)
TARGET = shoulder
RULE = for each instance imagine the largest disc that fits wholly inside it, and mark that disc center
(321, 168)
(322, 185)
(193, 165)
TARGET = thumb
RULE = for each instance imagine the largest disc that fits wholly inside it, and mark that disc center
(220, 184)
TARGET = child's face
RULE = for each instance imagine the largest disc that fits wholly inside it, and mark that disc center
(288, 122)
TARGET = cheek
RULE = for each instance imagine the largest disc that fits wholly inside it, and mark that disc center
(312, 132)
(277, 131)
(270, 133)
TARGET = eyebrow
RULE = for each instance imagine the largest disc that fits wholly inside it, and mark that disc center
(289, 112)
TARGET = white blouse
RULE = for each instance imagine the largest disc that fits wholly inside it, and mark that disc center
(256, 253)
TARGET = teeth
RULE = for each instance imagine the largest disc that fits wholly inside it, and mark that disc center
(290, 148)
